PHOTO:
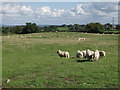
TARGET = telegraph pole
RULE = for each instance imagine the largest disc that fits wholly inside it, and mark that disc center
(113, 23)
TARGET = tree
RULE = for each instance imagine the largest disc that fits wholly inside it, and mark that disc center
(118, 27)
(108, 26)
(53, 28)
(64, 25)
(30, 28)
(94, 28)
(18, 29)
(76, 27)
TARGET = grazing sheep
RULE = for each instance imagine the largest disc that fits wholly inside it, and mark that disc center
(79, 54)
(8, 80)
(81, 38)
(102, 53)
(21, 37)
(96, 55)
(89, 54)
(84, 53)
(63, 54)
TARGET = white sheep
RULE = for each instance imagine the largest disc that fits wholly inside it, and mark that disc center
(89, 54)
(81, 38)
(63, 54)
(84, 53)
(8, 80)
(102, 53)
(96, 55)
(79, 54)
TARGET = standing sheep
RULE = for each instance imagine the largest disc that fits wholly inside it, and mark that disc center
(102, 53)
(96, 55)
(63, 54)
(79, 54)
(84, 53)
(89, 54)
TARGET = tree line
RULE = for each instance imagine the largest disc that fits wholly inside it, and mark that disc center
(33, 28)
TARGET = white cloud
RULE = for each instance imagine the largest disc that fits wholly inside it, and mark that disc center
(15, 10)
(46, 11)
(79, 10)
(25, 10)
(94, 11)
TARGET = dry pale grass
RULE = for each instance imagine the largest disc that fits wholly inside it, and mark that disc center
(31, 41)
(90, 39)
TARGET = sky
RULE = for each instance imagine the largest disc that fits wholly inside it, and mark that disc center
(58, 13)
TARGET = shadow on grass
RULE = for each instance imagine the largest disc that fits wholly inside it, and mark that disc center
(84, 61)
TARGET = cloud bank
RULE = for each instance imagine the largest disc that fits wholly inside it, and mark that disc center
(82, 11)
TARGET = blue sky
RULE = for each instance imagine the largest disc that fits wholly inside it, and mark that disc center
(58, 12)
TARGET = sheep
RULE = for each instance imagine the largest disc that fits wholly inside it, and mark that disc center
(8, 80)
(89, 54)
(79, 54)
(21, 37)
(84, 53)
(63, 54)
(81, 38)
(96, 55)
(68, 36)
(102, 53)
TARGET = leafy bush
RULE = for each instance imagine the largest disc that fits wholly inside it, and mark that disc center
(95, 28)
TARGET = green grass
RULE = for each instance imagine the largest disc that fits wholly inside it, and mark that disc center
(62, 28)
(112, 31)
(33, 62)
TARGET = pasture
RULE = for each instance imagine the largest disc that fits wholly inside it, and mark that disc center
(32, 61)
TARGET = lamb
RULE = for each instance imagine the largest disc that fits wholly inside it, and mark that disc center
(79, 54)
(63, 54)
(96, 55)
(102, 53)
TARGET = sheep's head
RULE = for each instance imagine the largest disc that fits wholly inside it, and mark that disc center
(96, 50)
(78, 51)
(58, 51)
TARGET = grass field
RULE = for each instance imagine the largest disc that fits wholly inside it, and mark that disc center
(32, 62)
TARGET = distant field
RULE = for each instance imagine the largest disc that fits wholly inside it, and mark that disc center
(32, 62)
(62, 28)
(114, 31)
